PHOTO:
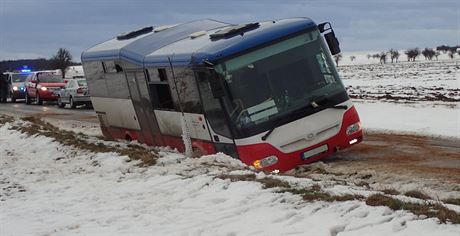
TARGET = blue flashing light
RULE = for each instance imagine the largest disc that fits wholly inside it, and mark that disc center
(25, 70)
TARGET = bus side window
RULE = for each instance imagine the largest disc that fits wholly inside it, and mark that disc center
(160, 92)
(161, 96)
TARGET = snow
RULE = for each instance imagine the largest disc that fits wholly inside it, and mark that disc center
(426, 119)
(50, 189)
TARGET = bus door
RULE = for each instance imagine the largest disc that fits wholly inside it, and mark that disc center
(140, 97)
(216, 117)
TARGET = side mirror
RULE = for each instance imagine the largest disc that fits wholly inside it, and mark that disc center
(217, 88)
(331, 40)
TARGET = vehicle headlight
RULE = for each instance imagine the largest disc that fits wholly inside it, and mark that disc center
(15, 88)
(44, 88)
(353, 128)
(267, 161)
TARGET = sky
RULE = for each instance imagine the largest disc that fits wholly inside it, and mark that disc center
(37, 28)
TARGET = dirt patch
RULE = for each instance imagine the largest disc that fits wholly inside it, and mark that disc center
(394, 161)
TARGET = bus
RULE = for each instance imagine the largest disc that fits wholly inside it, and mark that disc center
(267, 92)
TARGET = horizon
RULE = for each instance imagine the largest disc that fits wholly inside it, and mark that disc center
(361, 26)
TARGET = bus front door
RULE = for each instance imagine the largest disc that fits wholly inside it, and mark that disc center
(216, 118)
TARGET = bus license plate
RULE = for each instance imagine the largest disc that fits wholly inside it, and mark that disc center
(314, 152)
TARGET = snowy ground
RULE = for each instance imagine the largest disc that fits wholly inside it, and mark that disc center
(47, 188)
(421, 97)
(51, 189)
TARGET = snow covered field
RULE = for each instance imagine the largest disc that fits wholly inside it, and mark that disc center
(47, 188)
(51, 188)
(421, 97)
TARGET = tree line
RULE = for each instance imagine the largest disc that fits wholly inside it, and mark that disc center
(61, 60)
(411, 54)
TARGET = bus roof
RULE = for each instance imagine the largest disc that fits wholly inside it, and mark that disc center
(190, 43)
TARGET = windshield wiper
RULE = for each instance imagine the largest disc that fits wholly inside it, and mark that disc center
(318, 100)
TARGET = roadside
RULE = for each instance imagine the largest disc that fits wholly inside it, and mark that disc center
(56, 186)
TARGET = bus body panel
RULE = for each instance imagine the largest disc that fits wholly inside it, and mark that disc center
(144, 86)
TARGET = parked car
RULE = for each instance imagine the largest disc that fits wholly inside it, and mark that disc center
(42, 86)
(74, 93)
(16, 88)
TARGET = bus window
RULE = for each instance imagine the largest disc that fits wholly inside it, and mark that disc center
(161, 96)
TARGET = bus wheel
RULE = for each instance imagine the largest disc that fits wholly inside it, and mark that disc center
(128, 137)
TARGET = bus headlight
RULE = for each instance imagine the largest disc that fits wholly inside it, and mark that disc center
(44, 88)
(15, 88)
(267, 161)
(353, 128)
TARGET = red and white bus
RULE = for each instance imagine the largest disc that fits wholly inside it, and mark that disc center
(267, 93)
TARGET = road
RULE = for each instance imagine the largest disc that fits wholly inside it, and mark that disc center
(385, 160)
(49, 110)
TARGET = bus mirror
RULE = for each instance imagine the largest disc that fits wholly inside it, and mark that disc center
(332, 42)
(216, 87)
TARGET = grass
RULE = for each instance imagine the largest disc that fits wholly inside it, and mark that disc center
(391, 191)
(454, 201)
(417, 194)
(6, 119)
(430, 210)
(37, 126)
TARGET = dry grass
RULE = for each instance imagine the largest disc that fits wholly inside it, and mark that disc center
(382, 200)
(70, 138)
(6, 119)
(391, 191)
(430, 210)
(417, 194)
(454, 201)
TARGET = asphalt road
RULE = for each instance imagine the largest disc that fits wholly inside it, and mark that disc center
(50, 110)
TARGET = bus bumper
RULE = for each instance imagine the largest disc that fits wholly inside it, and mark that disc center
(254, 154)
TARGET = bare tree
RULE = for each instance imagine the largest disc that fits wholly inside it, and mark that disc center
(412, 54)
(394, 55)
(337, 58)
(452, 51)
(383, 57)
(369, 56)
(428, 53)
(352, 58)
(62, 60)
(436, 54)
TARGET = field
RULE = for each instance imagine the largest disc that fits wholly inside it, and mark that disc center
(60, 177)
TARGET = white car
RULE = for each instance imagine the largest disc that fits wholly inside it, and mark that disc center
(74, 93)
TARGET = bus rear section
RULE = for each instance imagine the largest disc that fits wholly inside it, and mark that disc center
(267, 93)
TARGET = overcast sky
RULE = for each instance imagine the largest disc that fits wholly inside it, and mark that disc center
(36, 28)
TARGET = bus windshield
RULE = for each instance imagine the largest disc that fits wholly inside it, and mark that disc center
(273, 82)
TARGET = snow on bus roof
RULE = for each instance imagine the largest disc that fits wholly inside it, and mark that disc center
(154, 48)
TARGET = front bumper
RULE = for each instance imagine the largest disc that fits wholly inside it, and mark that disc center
(48, 95)
(82, 99)
(18, 94)
(287, 161)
